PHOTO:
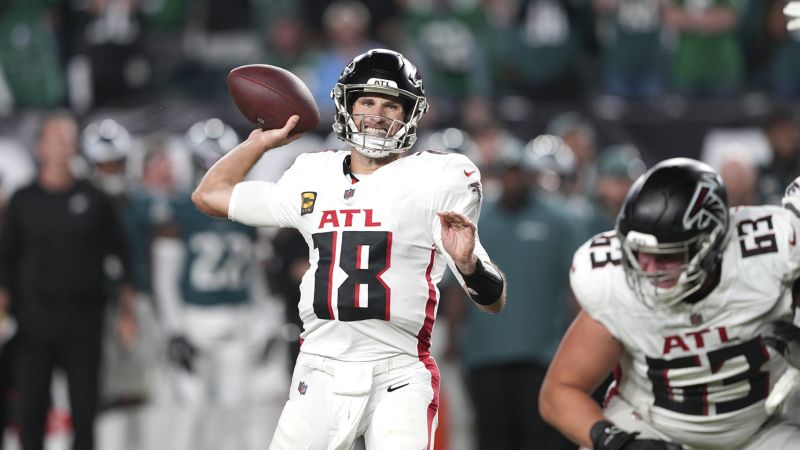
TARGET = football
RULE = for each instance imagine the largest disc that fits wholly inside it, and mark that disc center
(268, 95)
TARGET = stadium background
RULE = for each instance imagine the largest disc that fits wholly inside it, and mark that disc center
(498, 73)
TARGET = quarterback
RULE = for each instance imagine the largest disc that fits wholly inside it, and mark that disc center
(681, 302)
(380, 229)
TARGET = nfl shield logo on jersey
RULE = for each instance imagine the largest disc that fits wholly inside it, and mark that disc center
(302, 387)
(348, 194)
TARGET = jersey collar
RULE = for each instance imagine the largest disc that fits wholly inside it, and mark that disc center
(348, 171)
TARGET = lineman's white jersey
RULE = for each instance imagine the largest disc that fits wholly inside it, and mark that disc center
(374, 246)
(700, 372)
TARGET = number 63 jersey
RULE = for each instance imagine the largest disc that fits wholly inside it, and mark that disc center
(700, 372)
(375, 247)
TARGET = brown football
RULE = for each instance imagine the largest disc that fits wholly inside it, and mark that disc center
(268, 95)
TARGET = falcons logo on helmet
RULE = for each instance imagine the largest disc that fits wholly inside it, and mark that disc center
(704, 208)
(792, 189)
(791, 199)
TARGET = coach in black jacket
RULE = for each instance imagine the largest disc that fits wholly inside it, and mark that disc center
(58, 233)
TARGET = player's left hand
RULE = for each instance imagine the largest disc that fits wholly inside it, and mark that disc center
(126, 328)
(458, 238)
(125, 324)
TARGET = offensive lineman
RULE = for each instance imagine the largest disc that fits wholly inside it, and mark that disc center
(680, 301)
(380, 229)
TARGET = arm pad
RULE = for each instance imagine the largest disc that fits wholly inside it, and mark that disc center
(483, 286)
(249, 204)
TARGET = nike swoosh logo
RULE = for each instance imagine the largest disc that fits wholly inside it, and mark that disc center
(469, 174)
(394, 388)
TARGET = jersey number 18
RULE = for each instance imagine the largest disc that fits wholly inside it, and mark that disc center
(364, 257)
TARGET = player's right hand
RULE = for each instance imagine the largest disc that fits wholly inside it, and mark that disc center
(607, 436)
(181, 352)
(278, 137)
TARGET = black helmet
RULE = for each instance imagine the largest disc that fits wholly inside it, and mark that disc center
(383, 72)
(679, 207)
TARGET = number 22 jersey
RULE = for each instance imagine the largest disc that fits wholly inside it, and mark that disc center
(375, 247)
(700, 372)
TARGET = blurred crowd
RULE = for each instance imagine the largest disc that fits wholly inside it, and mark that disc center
(561, 104)
(104, 52)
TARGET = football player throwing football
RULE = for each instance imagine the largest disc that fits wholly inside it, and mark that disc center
(380, 230)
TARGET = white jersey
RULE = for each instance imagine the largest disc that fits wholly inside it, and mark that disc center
(699, 373)
(374, 247)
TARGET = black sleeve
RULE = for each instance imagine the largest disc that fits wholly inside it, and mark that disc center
(9, 242)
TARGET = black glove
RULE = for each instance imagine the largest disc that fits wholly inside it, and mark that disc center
(266, 350)
(786, 330)
(785, 338)
(181, 352)
(606, 436)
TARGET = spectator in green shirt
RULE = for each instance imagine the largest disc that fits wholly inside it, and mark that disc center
(505, 358)
(534, 47)
(708, 60)
(631, 48)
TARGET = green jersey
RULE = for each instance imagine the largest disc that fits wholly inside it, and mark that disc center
(29, 54)
(633, 44)
(143, 214)
(450, 54)
(786, 65)
(706, 62)
(220, 257)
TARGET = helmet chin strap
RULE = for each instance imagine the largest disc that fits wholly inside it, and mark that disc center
(372, 145)
(692, 278)
(374, 154)
(680, 291)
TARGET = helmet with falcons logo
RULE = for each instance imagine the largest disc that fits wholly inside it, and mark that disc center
(673, 228)
(382, 72)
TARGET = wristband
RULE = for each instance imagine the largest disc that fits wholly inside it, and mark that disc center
(484, 287)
